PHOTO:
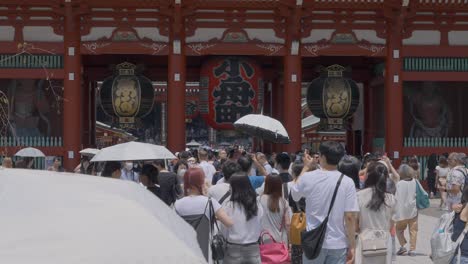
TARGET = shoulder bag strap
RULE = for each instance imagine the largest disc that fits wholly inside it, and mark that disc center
(225, 196)
(285, 190)
(283, 222)
(334, 194)
(459, 242)
(213, 221)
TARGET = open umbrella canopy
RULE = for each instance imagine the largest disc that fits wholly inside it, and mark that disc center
(89, 152)
(263, 127)
(30, 152)
(51, 217)
(133, 151)
(193, 143)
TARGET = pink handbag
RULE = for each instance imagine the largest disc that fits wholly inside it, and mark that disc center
(274, 252)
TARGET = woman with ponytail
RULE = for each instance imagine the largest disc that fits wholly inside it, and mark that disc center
(376, 209)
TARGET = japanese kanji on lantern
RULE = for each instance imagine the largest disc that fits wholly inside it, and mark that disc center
(333, 97)
(126, 95)
(230, 87)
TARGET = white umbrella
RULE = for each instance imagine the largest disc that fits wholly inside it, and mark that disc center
(89, 152)
(30, 152)
(51, 217)
(263, 127)
(193, 143)
(133, 151)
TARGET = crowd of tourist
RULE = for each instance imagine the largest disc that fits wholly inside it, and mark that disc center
(251, 200)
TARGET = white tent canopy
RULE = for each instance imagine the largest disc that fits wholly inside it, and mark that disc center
(56, 218)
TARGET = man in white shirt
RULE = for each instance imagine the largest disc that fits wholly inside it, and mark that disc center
(317, 188)
(207, 167)
(221, 191)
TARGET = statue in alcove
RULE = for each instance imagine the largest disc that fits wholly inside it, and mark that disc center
(29, 108)
(430, 113)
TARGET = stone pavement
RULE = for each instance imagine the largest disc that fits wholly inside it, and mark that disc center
(427, 220)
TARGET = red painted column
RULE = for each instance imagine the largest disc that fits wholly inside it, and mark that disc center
(292, 101)
(394, 92)
(72, 89)
(176, 86)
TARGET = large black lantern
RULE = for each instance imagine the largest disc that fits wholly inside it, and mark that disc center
(333, 97)
(126, 95)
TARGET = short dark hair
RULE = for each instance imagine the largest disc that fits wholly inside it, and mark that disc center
(230, 167)
(111, 167)
(180, 162)
(333, 151)
(245, 163)
(151, 172)
(283, 160)
(350, 166)
(185, 155)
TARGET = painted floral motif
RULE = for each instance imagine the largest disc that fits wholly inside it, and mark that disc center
(199, 47)
(271, 48)
(94, 46)
(155, 47)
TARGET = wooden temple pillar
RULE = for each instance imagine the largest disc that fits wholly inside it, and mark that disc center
(394, 90)
(72, 119)
(293, 83)
(369, 117)
(292, 101)
(176, 83)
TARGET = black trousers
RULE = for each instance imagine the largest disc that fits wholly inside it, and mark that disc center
(431, 181)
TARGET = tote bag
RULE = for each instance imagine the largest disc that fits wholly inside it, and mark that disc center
(422, 198)
(273, 252)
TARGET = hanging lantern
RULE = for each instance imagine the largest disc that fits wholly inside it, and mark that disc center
(333, 97)
(230, 87)
(126, 95)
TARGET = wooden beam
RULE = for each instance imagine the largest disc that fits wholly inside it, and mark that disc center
(434, 51)
(435, 76)
(10, 47)
(426, 151)
(31, 74)
(262, 49)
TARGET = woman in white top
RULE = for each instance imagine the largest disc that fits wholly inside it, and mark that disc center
(376, 208)
(246, 213)
(406, 212)
(441, 179)
(276, 211)
(194, 208)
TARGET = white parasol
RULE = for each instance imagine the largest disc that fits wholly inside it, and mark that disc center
(89, 152)
(193, 144)
(55, 218)
(263, 127)
(30, 152)
(133, 151)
